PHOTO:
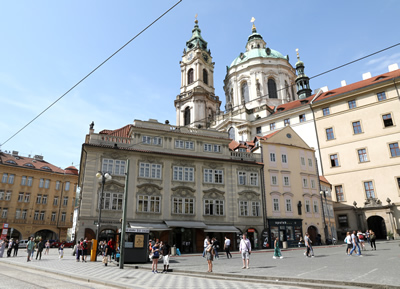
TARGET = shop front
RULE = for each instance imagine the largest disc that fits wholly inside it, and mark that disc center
(287, 230)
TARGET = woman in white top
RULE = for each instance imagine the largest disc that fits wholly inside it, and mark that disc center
(47, 245)
(347, 240)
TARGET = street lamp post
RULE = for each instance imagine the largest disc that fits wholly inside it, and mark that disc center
(323, 193)
(102, 176)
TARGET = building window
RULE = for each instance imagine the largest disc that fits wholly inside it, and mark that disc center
(152, 171)
(152, 140)
(272, 126)
(113, 167)
(63, 216)
(55, 201)
(387, 120)
(276, 204)
(213, 176)
(214, 207)
(212, 148)
(272, 157)
(253, 179)
(113, 201)
(313, 184)
(394, 149)
(286, 181)
(325, 111)
(184, 206)
(4, 213)
(65, 201)
(53, 216)
(190, 76)
(186, 116)
(284, 159)
(41, 217)
(329, 134)
(274, 180)
(352, 104)
(307, 206)
(180, 144)
(305, 183)
(334, 160)
(302, 117)
(27, 198)
(58, 185)
(310, 163)
(398, 183)
(41, 183)
(38, 199)
(183, 174)
(24, 212)
(44, 199)
(244, 89)
(362, 155)
(315, 206)
(357, 127)
(4, 178)
(242, 178)
(369, 190)
(20, 197)
(8, 196)
(67, 184)
(205, 76)
(17, 214)
(1, 195)
(339, 193)
(272, 88)
(23, 181)
(46, 184)
(30, 179)
(303, 161)
(288, 205)
(381, 96)
(286, 122)
(249, 208)
(258, 130)
(36, 215)
(149, 204)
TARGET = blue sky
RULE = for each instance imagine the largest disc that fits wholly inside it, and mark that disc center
(48, 46)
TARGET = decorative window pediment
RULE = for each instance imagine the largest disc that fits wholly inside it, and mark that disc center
(249, 195)
(149, 189)
(112, 186)
(213, 194)
(183, 191)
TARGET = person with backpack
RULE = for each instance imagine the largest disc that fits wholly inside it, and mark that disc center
(361, 239)
(215, 244)
(84, 250)
(354, 242)
(156, 255)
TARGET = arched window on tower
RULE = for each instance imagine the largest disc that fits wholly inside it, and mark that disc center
(187, 116)
(205, 76)
(231, 133)
(245, 92)
(288, 95)
(190, 76)
(272, 88)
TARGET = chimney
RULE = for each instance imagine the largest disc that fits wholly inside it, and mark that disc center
(366, 75)
(37, 157)
(343, 83)
(15, 153)
(393, 67)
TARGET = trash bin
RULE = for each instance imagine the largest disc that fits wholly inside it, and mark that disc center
(173, 250)
(284, 244)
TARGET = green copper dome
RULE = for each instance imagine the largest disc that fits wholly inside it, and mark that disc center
(196, 40)
(258, 52)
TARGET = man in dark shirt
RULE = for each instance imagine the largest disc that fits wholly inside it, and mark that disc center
(166, 251)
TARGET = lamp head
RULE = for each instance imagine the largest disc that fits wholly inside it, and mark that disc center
(98, 175)
(108, 176)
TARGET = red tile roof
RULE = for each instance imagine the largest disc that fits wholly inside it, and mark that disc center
(120, 132)
(233, 145)
(323, 179)
(31, 163)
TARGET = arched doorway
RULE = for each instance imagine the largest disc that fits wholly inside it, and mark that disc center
(312, 233)
(14, 233)
(106, 235)
(377, 224)
(46, 235)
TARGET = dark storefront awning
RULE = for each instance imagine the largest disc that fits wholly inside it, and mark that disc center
(186, 224)
(151, 227)
(222, 229)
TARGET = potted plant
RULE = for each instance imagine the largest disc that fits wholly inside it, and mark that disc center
(390, 235)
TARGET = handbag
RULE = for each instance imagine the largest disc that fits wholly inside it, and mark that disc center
(151, 257)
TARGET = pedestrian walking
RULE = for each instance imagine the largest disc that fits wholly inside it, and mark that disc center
(39, 250)
(10, 247)
(308, 243)
(78, 252)
(205, 244)
(166, 252)
(210, 255)
(61, 250)
(277, 251)
(354, 242)
(30, 247)
(367, 237)
(245, 250)
(156, 255)
(111, 248)
(227, 245)
(16, 246)
(2, 247)
(84, 249)
(215, 244)
(361, 239)
(47, 246)
(372, 237)
(347, 241)
(105, 259)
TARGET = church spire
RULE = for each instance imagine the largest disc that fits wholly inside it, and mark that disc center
(196, 40)
(302, 80)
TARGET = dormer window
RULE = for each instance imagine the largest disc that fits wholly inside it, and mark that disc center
(46, 168)
(11, 162)
(29, 165)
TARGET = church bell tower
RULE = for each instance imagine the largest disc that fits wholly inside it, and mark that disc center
(196, 105)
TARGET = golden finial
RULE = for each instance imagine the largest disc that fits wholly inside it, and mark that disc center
(252, 21)
(297, 52)
(196, 21)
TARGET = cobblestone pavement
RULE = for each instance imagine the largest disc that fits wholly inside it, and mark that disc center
(331, 266)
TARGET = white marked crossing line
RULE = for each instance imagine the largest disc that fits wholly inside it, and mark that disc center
(322, 268)
(364, 275)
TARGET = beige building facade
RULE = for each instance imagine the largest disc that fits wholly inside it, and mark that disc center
(36, 197)
(359, 136)
(183, 184)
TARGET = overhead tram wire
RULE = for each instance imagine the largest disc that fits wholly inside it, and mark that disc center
(91, 72)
